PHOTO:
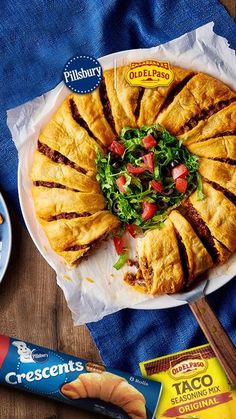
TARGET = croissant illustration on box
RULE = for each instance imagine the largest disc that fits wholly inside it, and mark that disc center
(109, 388)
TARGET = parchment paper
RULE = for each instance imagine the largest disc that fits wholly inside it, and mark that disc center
(95, 289)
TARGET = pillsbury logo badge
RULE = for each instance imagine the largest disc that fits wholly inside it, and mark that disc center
(82, 74)
(39, 356)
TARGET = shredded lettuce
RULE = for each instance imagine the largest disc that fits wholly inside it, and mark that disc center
(128, 206)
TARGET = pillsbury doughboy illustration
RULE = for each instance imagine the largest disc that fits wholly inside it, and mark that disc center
(24, 352)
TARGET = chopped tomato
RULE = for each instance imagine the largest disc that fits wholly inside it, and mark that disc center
(121, 181)
(119, 243)
(117, 148)
(132, 229)
(135, 170)
(149, 161)
(149, 210)
(181, 185)
(157, 186)
(180, 171)
(149, 141)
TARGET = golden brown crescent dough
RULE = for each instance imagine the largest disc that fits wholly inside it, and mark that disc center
(45, 170)
(50, 202)
(219, 147)
(220, 123)
(90, 108)
(223, 253)
(153, 99)
(202, 92)
(222, 173)
(159, 260)
(64, 135)
(63, 234)
(123, 97)
(110, 388)
(218, 213)
(70, 205)
(199, 259)
(67, 197)
(73, 256)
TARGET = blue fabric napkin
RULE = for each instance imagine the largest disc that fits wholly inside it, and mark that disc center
(37, 38)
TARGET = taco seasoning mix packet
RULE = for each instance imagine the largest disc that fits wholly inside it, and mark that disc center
(194, 385)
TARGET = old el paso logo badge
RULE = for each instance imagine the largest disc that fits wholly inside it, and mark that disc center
(188, 368)
(150, 74)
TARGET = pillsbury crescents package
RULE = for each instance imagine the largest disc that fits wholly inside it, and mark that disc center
(76, 382)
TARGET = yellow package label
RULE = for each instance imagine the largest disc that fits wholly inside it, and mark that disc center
(150, 73)
(194, 385)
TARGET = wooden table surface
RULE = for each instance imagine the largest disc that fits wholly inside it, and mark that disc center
(33, 309)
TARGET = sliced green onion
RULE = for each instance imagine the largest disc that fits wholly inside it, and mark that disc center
(121, 261)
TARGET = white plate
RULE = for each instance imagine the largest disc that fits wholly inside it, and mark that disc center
(5, 238)
(120, 295)
(218, 276)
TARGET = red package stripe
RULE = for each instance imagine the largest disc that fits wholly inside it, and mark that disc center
(198, 405)
(4, 348)
(164, 364)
